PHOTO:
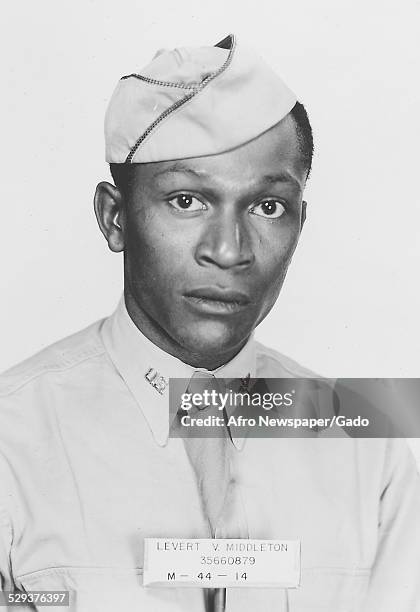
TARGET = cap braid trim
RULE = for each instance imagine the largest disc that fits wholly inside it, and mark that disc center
(195, 90)
(151, 81)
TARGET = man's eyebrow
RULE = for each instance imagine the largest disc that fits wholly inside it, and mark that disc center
(281, 177)
(178, 167)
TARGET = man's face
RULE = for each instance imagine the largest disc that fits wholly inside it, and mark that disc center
(208, 242)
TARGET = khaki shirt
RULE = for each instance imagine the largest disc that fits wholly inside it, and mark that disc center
(87, 472)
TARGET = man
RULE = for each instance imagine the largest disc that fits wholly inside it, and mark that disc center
(210, 153)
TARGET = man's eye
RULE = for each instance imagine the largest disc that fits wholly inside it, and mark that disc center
(186, 203)
(270, 209)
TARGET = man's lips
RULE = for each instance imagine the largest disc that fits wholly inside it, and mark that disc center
(219, 294)
(216, 299)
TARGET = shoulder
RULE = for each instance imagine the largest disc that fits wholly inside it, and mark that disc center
(272, 364)
(61, 357)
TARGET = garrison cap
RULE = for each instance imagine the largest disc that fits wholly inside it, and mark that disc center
(194, 101)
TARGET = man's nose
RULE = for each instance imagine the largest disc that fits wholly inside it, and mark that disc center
(225, 242)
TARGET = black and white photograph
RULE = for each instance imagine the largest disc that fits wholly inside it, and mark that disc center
(210, 383)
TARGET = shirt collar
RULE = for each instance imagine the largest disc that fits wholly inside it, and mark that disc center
(146, 369)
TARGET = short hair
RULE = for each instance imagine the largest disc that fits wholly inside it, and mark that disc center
(123, 174)
(304, 135)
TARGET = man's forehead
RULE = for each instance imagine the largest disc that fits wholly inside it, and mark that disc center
(180, 170)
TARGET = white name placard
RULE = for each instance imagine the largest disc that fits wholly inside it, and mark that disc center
(218, 563)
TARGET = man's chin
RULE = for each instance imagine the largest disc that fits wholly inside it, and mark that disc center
(213, 343)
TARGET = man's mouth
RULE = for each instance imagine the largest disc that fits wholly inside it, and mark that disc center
(216, 300)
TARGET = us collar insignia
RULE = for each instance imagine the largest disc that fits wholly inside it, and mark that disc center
(244, 386)
(156, 380)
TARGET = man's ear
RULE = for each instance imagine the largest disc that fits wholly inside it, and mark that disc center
(303, 216)
(109, 213)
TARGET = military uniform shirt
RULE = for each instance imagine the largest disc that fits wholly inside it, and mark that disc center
(87, 472)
